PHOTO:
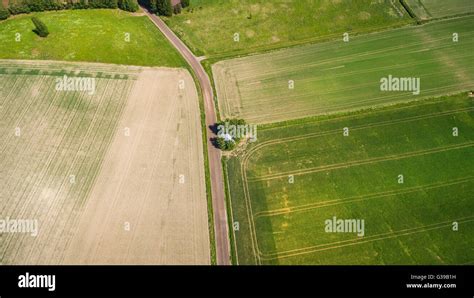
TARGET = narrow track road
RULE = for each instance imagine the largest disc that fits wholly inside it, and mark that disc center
(215, 166)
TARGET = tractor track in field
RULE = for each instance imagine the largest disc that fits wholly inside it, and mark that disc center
(372, 196)
(344, 165)
(357, 241)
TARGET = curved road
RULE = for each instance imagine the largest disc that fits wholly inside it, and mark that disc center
(215, 166)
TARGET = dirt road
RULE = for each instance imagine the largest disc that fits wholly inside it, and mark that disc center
(217, 179)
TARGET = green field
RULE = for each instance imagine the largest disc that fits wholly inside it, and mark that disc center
(45, 137)
(356, 177)
(428, 9)
(208, 26)
(89, 35)
(337, 76)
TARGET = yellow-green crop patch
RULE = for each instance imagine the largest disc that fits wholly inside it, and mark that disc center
(339, 76)
(404, 173)
(217, 28)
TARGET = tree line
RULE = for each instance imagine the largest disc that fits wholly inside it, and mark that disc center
(164, 7)
(27, 6)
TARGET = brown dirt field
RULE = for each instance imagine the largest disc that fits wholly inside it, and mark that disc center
(138, 184)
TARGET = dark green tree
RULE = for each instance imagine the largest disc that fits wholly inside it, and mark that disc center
(185, 3)
(35, 5)
(177, 9)
(227, 144)
(221, 143)
(40, 27)
(17, 8)
(42, 5)
(102, 4)
(128, 5)
(111, 3)
(81, 4)
(164, 8)
(26, 6)
(4, 13)
(152, 5)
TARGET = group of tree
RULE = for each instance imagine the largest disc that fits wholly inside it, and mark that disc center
(128, 5)
(164, 7)
(225, 145)
(4, 13)
(161, 7)
(27, 6)
(227, 133)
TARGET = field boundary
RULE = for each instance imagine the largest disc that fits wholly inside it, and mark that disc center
(232, 239)
(210, 209)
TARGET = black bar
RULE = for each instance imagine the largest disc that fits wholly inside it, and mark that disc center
(134, 281)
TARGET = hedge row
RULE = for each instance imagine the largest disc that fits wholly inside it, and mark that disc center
(4, 13)
(164, 7)
(27, 6)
